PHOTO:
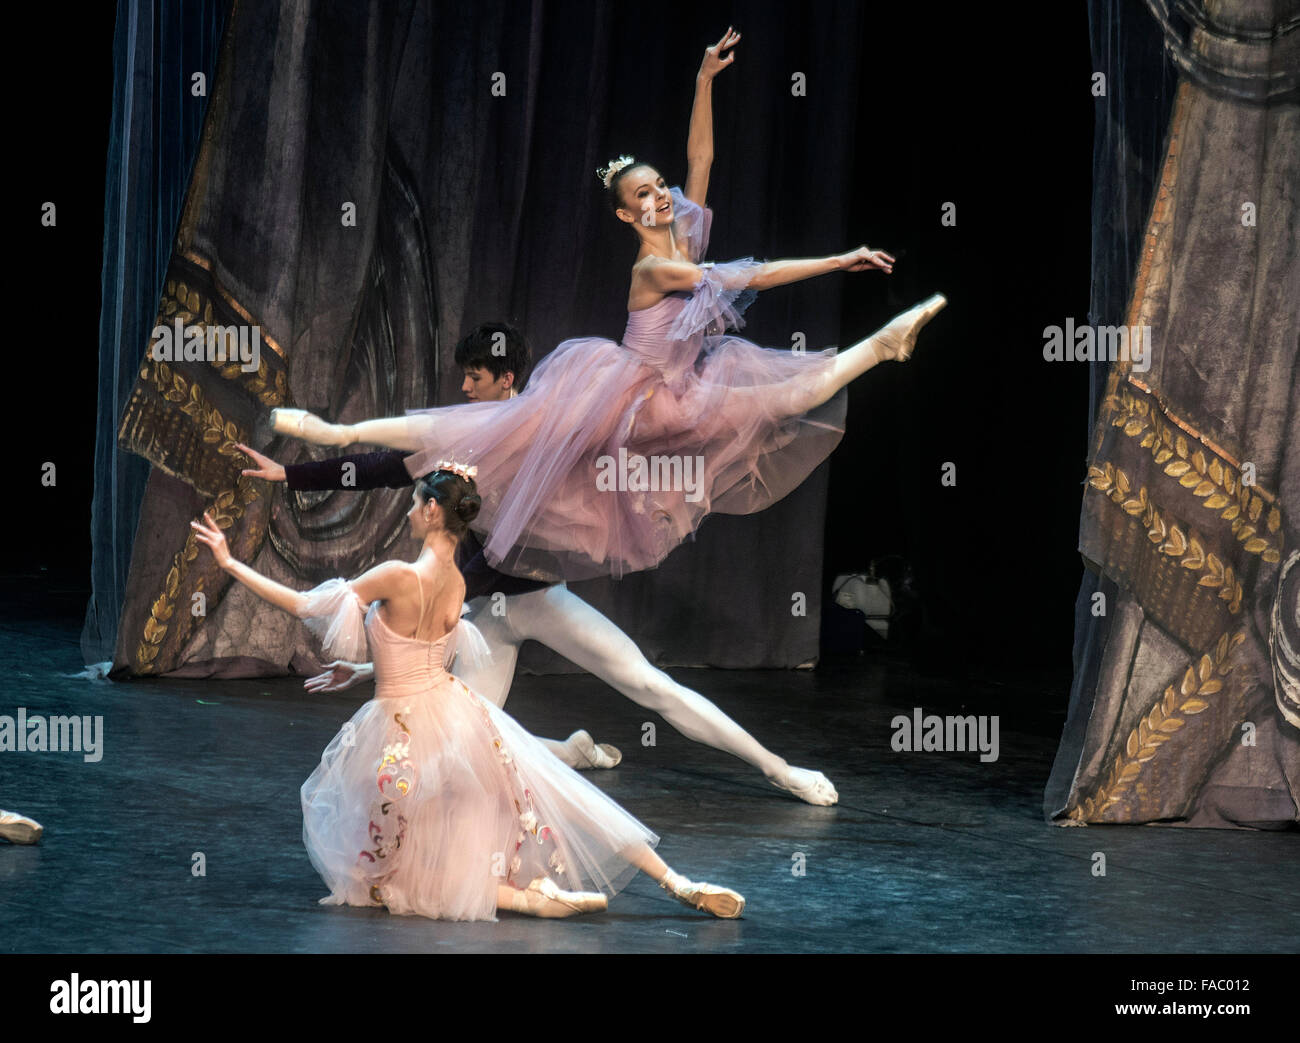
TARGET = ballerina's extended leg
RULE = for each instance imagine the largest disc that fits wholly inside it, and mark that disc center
(896, 340)
(396, 432)
(721, 902)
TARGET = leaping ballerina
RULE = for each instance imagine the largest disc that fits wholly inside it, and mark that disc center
(678, 388)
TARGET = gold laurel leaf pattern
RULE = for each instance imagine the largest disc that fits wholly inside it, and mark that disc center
(187, 304)
(1214, 480)
(228, 506)
(1169, 539)
(1164, 719)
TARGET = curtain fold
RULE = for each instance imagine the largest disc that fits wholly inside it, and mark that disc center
(1181, 706)
(159, 46)
(374, 181)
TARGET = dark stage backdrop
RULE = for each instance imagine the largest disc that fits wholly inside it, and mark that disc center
(939, 109)
(471, 203)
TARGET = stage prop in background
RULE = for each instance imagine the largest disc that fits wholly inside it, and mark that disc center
(1184, 707)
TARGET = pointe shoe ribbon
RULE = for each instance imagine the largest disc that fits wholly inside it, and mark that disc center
(543, 891)
(597, 755)
(721, 902)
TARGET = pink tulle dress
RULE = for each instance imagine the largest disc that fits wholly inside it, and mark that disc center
(430, 796)
(614, 453)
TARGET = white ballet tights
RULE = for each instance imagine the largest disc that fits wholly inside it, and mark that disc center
(562, 621)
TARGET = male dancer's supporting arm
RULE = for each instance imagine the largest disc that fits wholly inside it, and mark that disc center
(385, 470)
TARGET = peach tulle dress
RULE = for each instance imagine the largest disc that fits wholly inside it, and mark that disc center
(430, 796)
(614, 453)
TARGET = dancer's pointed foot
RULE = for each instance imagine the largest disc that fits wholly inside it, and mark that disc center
(810, 786)
(19, 829)
(591, 754)
(721, 902)
(897, 338)
(544, 898)
(298, 423)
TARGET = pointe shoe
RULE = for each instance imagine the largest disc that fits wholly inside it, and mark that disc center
(896, 340)
(543, 898)
(819, 791)
(597, 755)
(721, 902)
(299, 423)
(18, 829)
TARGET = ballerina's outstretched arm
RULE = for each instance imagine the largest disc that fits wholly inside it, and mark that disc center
(699, 139)
(893, 341)
(667, 276)
(379, 583)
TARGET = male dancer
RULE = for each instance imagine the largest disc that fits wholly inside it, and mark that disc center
(494, 358)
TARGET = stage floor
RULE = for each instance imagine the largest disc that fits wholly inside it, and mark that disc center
(926, 852)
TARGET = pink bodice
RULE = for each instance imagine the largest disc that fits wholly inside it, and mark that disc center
(404, 666)
(648, 335)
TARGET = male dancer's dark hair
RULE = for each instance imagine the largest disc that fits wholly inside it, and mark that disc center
(497, 347)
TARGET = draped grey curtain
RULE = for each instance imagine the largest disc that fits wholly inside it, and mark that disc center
(470, 203)
(1184, 706)
(159, 46)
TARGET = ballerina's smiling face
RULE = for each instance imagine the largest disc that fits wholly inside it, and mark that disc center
(646, 197)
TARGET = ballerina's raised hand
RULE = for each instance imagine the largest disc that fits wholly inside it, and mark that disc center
(720, 55)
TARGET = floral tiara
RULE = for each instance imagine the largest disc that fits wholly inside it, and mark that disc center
(606, 174)
(460, 470)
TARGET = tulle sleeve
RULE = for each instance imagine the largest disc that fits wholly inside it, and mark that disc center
(721, 296)
(336, 616)
(467, 648)
(693, 223)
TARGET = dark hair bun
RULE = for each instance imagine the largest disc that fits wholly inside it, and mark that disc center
(467, 509)
(457, 496)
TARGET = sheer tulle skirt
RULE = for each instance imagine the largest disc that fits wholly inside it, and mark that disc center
(426, 803)
(605, 463)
